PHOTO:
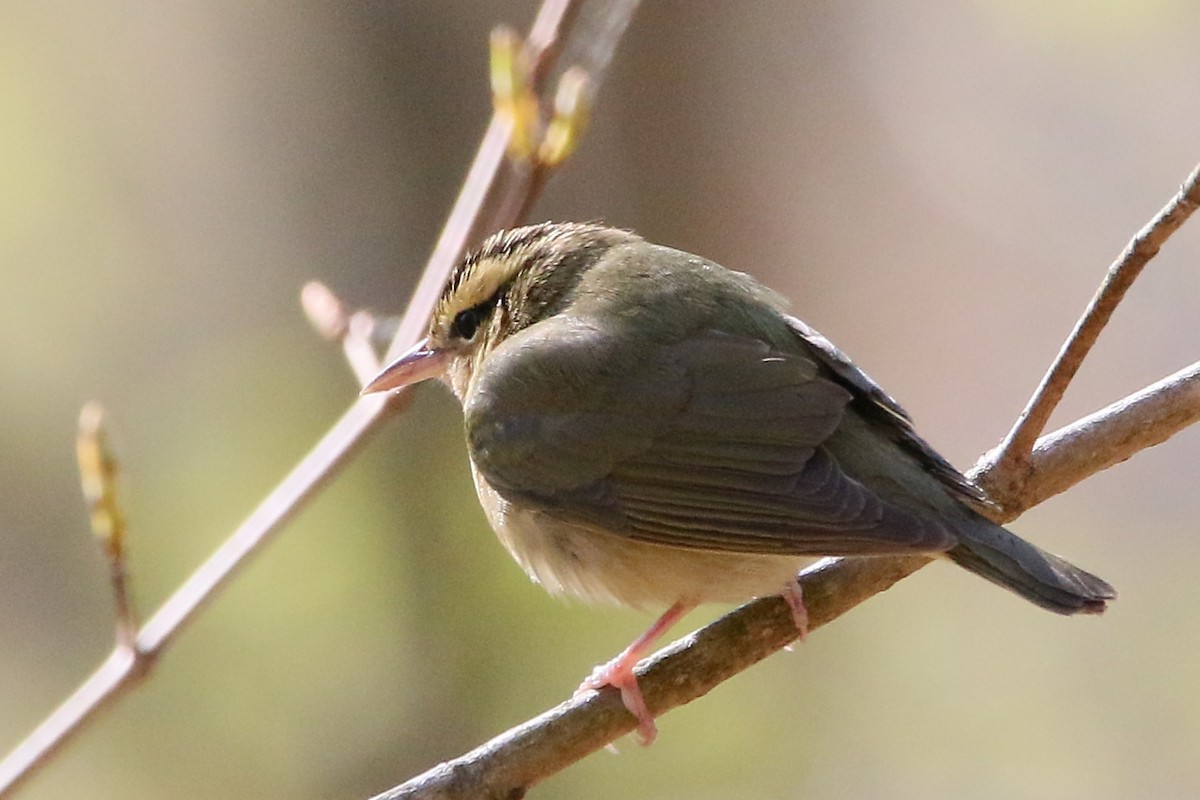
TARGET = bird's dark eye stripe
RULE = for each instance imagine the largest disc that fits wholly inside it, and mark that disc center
(467, 321)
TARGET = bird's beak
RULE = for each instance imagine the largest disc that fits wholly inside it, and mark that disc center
(420, 363)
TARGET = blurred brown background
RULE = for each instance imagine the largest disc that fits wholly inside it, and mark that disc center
(938, 185)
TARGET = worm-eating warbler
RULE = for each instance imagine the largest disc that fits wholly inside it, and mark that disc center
(648, 428)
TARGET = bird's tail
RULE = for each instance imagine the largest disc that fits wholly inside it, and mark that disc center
(1040, 577)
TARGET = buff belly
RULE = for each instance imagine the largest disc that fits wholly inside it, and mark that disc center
(595, 566)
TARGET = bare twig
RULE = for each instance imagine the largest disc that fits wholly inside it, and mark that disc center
(508, 765)
(98, 477)
(1010, 462)
(474, 212)
(328, 315)
(324, 310)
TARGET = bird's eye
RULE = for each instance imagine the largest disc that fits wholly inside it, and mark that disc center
(467, 322)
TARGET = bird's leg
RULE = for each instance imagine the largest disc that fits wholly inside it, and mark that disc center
(619, 671)
(793, 595)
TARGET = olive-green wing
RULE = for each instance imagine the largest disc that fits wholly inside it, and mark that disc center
(714, 442)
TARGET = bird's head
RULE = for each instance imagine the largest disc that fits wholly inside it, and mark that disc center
(515, 279)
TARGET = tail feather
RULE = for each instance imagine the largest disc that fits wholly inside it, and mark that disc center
(1043, 578)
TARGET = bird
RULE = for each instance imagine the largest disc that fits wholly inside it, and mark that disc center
(650, 429)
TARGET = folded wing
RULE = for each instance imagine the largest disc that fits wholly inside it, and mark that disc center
(713, 442)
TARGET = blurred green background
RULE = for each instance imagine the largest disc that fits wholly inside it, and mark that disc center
(938, 185)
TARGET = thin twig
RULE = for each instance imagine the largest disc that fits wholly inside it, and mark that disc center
(328, 316)
(121, 671)
(511, 763)
(98, 477)
(1010, 462)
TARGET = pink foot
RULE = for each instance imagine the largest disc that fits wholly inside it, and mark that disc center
(619, 672)
(793, 595)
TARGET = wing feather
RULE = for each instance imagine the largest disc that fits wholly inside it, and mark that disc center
(713, 442)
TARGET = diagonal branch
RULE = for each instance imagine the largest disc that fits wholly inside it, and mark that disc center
(1010, 462)
(493, 196)
(508, 765)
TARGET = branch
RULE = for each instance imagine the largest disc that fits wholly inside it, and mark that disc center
(1111, 435)
(1011, 460)
(493, 196)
